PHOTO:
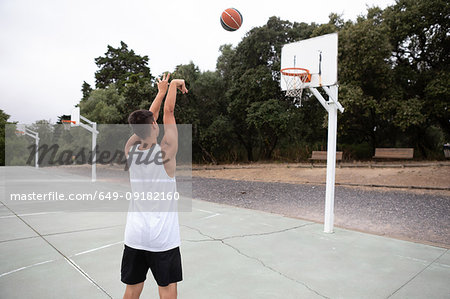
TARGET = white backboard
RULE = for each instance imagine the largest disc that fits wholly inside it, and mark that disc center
(318, 55)
(20, 128)
(75, 117)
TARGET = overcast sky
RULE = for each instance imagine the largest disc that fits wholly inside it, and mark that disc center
(48, 47)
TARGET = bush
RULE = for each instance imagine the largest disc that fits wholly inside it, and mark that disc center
(361, 151)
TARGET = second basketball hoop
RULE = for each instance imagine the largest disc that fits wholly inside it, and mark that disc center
(68, 124)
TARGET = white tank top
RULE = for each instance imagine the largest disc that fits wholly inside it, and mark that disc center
(152, 225)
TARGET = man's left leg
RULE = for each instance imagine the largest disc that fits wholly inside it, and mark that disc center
(133, 291)
(167, 271)
(168, 292)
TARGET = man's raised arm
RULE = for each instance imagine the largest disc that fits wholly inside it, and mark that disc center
(169, 105)
(162, 89)
(169, 143)
(154, 108)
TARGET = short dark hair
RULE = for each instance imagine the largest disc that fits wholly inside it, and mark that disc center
(139, 118)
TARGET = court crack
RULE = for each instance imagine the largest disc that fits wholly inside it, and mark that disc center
(268, 233)
(242, 236)
(222, 240)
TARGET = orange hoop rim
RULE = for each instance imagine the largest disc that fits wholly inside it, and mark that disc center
(68, 121)
(303, 73)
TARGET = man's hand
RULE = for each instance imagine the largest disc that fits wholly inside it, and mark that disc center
(162, 89)
(180, 84)
(163, 84)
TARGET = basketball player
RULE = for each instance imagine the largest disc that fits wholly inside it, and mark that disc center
(152, 236)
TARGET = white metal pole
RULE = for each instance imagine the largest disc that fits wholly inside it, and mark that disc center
(94, 154)
(331, 163)
(36, 158)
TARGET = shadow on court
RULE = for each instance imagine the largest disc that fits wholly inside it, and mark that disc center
(228, 252)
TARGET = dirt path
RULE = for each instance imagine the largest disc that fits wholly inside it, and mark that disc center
(425, 179)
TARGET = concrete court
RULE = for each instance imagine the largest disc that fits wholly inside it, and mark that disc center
(227, 252)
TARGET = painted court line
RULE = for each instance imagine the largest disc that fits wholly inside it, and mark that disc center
(209, 212)
(49, 181)
(203, 210)
(29, 214)
(211, 216)
(69, 260)
(413, 259)
(98, 248)
(26, 267)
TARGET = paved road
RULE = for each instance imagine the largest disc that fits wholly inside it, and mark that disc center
(409, 216)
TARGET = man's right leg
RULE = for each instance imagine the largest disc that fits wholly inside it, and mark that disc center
(133, 272)
(133, 291)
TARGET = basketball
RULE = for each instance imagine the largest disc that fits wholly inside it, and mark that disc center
(231, 19)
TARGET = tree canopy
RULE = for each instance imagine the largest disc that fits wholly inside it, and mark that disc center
(393, 75)
(3, 121)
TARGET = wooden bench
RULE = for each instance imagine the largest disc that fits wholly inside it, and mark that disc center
(394, 153)
(322, 155)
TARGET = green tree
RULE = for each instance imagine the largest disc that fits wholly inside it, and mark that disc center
(86, 90)
(419, 33)
(137, 94)
(123, 84)
(271, 119)
(3, 121)
(251, 72)
(205, 109)
(365, 76)
(104, 106)
(119, 65)
(215, 138)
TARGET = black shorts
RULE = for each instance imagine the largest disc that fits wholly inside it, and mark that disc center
(165, 266)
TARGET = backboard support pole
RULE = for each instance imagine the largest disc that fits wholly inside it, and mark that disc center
(36, 157)
(319, 97)
(91, 127)
(35, 136)
(333, 96)
(332, 106)
(331, 163)
(94, 152)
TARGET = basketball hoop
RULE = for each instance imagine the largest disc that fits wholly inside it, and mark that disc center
(67, 124)
(295, 78)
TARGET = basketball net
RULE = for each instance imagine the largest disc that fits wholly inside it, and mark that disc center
(19, 133)
(67, 124)
(295, 79)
